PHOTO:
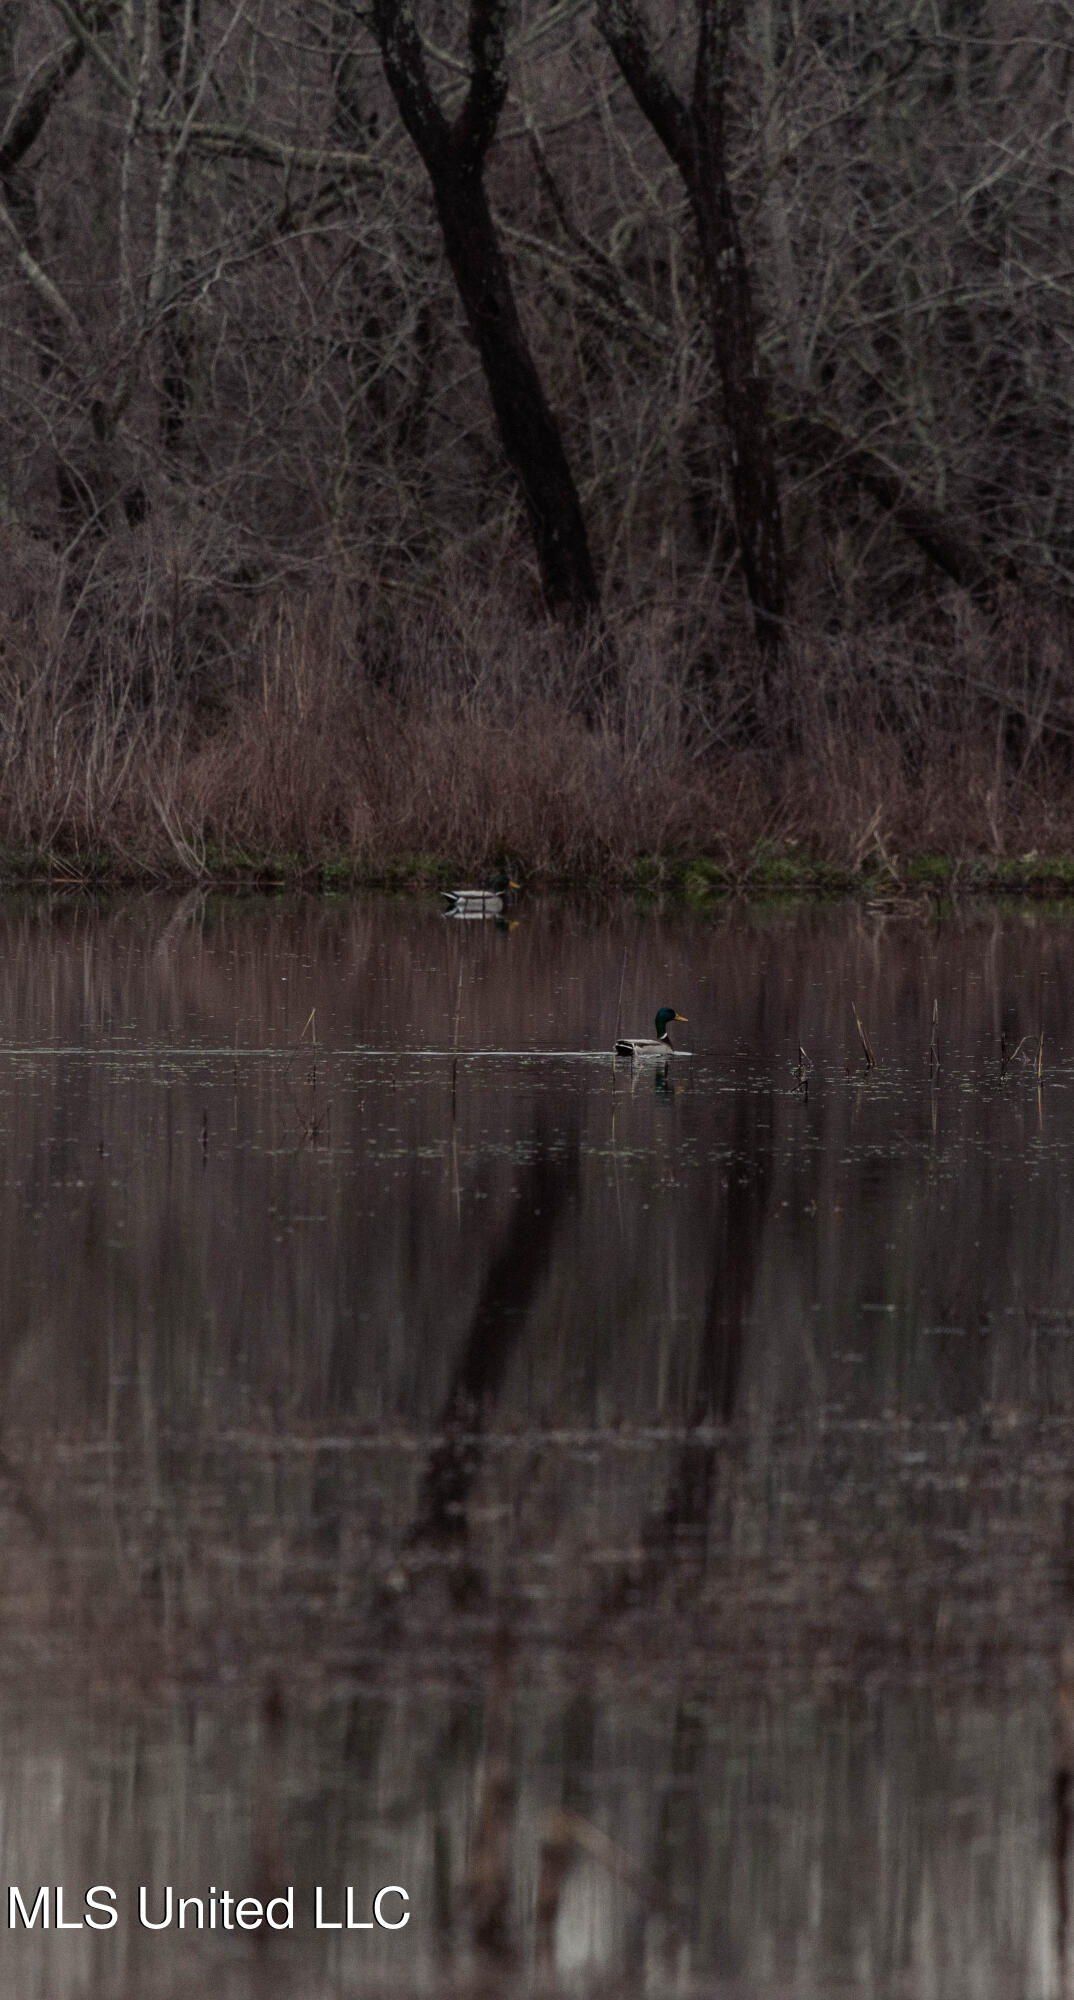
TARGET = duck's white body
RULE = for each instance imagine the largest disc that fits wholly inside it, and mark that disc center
(650, 1047)
(479, 901)
(473, 902)
(486, 902)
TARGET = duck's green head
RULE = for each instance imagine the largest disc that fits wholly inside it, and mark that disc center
(501, 883)
(664, 1019)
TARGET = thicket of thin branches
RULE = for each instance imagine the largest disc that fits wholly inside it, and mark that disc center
(269, 582)
(338, 726)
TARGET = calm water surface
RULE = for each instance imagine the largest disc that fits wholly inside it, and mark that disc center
(631, 1512)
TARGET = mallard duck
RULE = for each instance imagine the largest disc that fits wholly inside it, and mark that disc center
(486, 902)
(662, 1044)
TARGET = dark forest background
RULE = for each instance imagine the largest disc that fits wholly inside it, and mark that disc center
(570, 428)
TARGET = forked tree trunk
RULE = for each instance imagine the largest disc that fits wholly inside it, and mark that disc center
(694, 136)
(454, 158)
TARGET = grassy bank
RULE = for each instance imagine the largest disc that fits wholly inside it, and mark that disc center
(694, 880)
(343, 737)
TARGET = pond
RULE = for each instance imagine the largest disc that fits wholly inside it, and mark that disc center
(628, 1508)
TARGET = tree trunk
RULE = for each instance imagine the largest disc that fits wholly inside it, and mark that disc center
(754, 482)
(694, 136)
(454, 159)
(22, 118)
(179, 24)
(530, 434)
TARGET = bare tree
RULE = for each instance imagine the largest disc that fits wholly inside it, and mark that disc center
(694, 134)
(178, 30)
(57, 336)
(227, 309)
(923, 310)
(454, 154)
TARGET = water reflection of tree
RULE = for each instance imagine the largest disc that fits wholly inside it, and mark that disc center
(681, 1525)
(517, 1265)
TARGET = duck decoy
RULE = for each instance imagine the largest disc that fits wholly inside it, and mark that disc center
(661, 1045)
(486, 902)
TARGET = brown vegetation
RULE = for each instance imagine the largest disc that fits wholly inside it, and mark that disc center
(347, 725)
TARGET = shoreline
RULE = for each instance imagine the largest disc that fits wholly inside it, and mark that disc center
(693, 880)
